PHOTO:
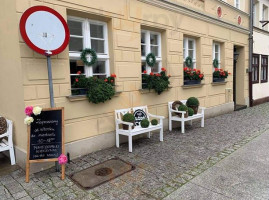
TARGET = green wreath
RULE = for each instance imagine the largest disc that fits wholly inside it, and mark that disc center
(188, 61)
(93, 55)
(151, 59)
(215, 63)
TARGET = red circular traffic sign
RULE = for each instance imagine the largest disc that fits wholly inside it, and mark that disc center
(44, 30)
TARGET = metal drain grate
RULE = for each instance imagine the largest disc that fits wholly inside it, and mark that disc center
(103, 171)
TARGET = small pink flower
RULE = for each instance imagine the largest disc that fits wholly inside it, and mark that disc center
(62, 159)
(29, 110)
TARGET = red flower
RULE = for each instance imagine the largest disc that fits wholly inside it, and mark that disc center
(145, 71)
(105, 80)
(216, 69)
(163, 69)
(229, 73)
(151, 73)
(169, 75)
(188, 72)
(194, 70)
(201, 76)
(158, 74)
(113, 75)
(112, 81)
(76, 80)
(79, 72)
(185, 68)
(198, 71)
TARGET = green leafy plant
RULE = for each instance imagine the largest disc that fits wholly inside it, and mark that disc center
(154, 122)
(192, 101)
(190, 111)
(192, 74)
(216, 63)
(220, 73)
(182, 108)
(159, 82)
(144, 123)
(128, 117)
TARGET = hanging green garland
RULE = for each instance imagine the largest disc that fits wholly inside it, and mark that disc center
(216, 63)
(151, 59)
(93, 57)
(188, 61)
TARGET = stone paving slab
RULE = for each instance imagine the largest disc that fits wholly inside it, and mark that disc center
(161, 167)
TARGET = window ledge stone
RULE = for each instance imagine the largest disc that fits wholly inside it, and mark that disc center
(84, 97)
(192, 86)
(219, 83)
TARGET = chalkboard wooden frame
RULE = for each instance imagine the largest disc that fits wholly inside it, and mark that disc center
(28, 161)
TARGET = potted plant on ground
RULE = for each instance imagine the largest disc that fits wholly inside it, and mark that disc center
(144, 123)
(183, 108)
(192, 76)
(193, 103)
(219, 75)
(128, 117)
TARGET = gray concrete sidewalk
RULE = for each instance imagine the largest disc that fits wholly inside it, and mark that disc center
(242, 175)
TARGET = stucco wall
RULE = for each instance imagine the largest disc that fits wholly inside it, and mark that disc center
(125, 19)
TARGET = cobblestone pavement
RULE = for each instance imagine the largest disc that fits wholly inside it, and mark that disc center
(161, 167)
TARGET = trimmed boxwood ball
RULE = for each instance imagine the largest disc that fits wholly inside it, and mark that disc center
(190, 111)
(192, 101)
(128, 117)
(144, 123)
(154, 122)
(182, 108)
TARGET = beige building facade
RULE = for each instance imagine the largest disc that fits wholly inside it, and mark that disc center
(116, 29)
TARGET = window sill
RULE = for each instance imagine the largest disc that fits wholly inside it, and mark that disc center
(192, 86)
(219, 83)
(84, 97)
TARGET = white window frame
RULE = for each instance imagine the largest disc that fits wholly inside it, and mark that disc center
(75, 55)
(214, 53)
(237, 4)
(148, 49)
(186, 50)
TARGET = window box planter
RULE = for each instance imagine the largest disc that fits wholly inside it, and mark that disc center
(79, 91)
(192, 82)
(216, 79)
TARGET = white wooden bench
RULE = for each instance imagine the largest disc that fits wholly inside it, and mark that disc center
(137, 128)
(182, 119)
(7, 145)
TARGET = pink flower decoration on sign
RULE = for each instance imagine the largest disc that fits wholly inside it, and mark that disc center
(62, 159)
(29, 110)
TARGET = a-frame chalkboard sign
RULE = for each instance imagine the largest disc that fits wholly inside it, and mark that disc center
(46, 138)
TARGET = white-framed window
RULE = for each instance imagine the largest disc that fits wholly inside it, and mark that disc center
(189, 49)
(216, 52)
(86, 33)
(237, 3)
(264, 15)
(151, 43)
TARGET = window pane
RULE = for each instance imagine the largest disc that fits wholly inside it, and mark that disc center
(217, 56)
(97, 31)
(184, 53)
(153, 39)
(100, 76)
(143, 67)
(155, 68)
(98, 46)
(143, 50)
(99, 67)
(190, 43)
(191, 53)
(216, 48)
(154, 50)
(143, 38)
(75, 66)
(75, 28)
(75, 44)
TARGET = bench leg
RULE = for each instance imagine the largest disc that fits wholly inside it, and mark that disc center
(203, 121)
(170, 125)
(117, 140)
(149, 133)
(182, 126)
(12, 156)
(161, 134)
(130, 143)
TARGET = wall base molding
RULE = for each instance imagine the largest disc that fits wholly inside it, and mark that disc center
(260, 101)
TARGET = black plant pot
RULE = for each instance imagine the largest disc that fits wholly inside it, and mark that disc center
(79, 91)
(192, 82)
(215, 79)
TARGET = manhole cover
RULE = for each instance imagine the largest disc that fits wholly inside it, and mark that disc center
(103, 171)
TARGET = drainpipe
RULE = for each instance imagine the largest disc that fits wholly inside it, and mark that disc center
(250, 53)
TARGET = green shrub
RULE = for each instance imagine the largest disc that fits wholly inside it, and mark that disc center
(128, 117)
(190, 111)
(144, 123)
(192, 101)
(182, 108)
(154, 122)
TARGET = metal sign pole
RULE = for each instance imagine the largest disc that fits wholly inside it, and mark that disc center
(52, 105)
